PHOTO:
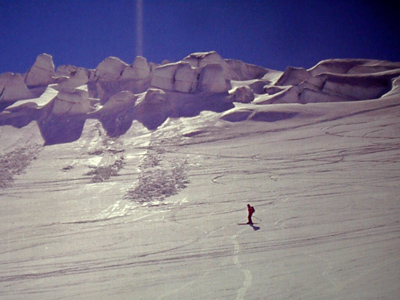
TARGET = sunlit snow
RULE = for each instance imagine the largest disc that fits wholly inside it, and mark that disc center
(129, 181)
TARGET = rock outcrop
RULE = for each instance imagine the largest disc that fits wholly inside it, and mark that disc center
(153, 108)
(113, 76)
(199, 72)
(117, 93)
(242, 94)
(76, 78)
(110, 69)
(293, 76)
(212, 79)
(139, 70)
(42, 71)
(13, 87)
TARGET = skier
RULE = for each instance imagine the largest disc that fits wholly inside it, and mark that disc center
(251, 211)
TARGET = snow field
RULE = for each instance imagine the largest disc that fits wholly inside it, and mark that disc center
(146, 206)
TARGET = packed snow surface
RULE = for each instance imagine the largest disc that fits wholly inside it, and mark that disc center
(129, 181)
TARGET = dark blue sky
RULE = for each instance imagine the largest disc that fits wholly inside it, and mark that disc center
(272, 34)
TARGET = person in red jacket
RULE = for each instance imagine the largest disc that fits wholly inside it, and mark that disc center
(251, 211)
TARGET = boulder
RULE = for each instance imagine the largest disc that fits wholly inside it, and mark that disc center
(113, 76)
(77, 78)
(202, 59)
(242, 94)
(152, 108)
(313, 83)
(293, 76)
(120, 101)
(243, 71)
(186, 78)
(139, 70)
(110, 69)
(13, 87)
(164, 76)
(155, 97)
(72, 103)
(65, 71)
(212, 79)
(42, 71)
(179, 77)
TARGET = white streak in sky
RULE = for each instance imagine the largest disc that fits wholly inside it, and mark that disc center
(139, 27)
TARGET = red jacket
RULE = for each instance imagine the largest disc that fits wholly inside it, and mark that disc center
(251, 210)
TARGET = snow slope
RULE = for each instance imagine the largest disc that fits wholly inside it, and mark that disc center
(139, 189)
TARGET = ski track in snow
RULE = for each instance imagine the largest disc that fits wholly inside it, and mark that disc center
(247, 273)
(326, 192)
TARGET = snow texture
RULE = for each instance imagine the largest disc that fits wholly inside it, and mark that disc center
(128, 181)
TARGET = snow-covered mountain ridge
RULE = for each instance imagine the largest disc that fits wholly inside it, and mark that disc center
(117, 93)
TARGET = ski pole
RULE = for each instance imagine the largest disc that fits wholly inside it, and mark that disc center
(257, 218)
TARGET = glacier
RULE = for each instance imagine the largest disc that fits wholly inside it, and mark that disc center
(128, 181)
